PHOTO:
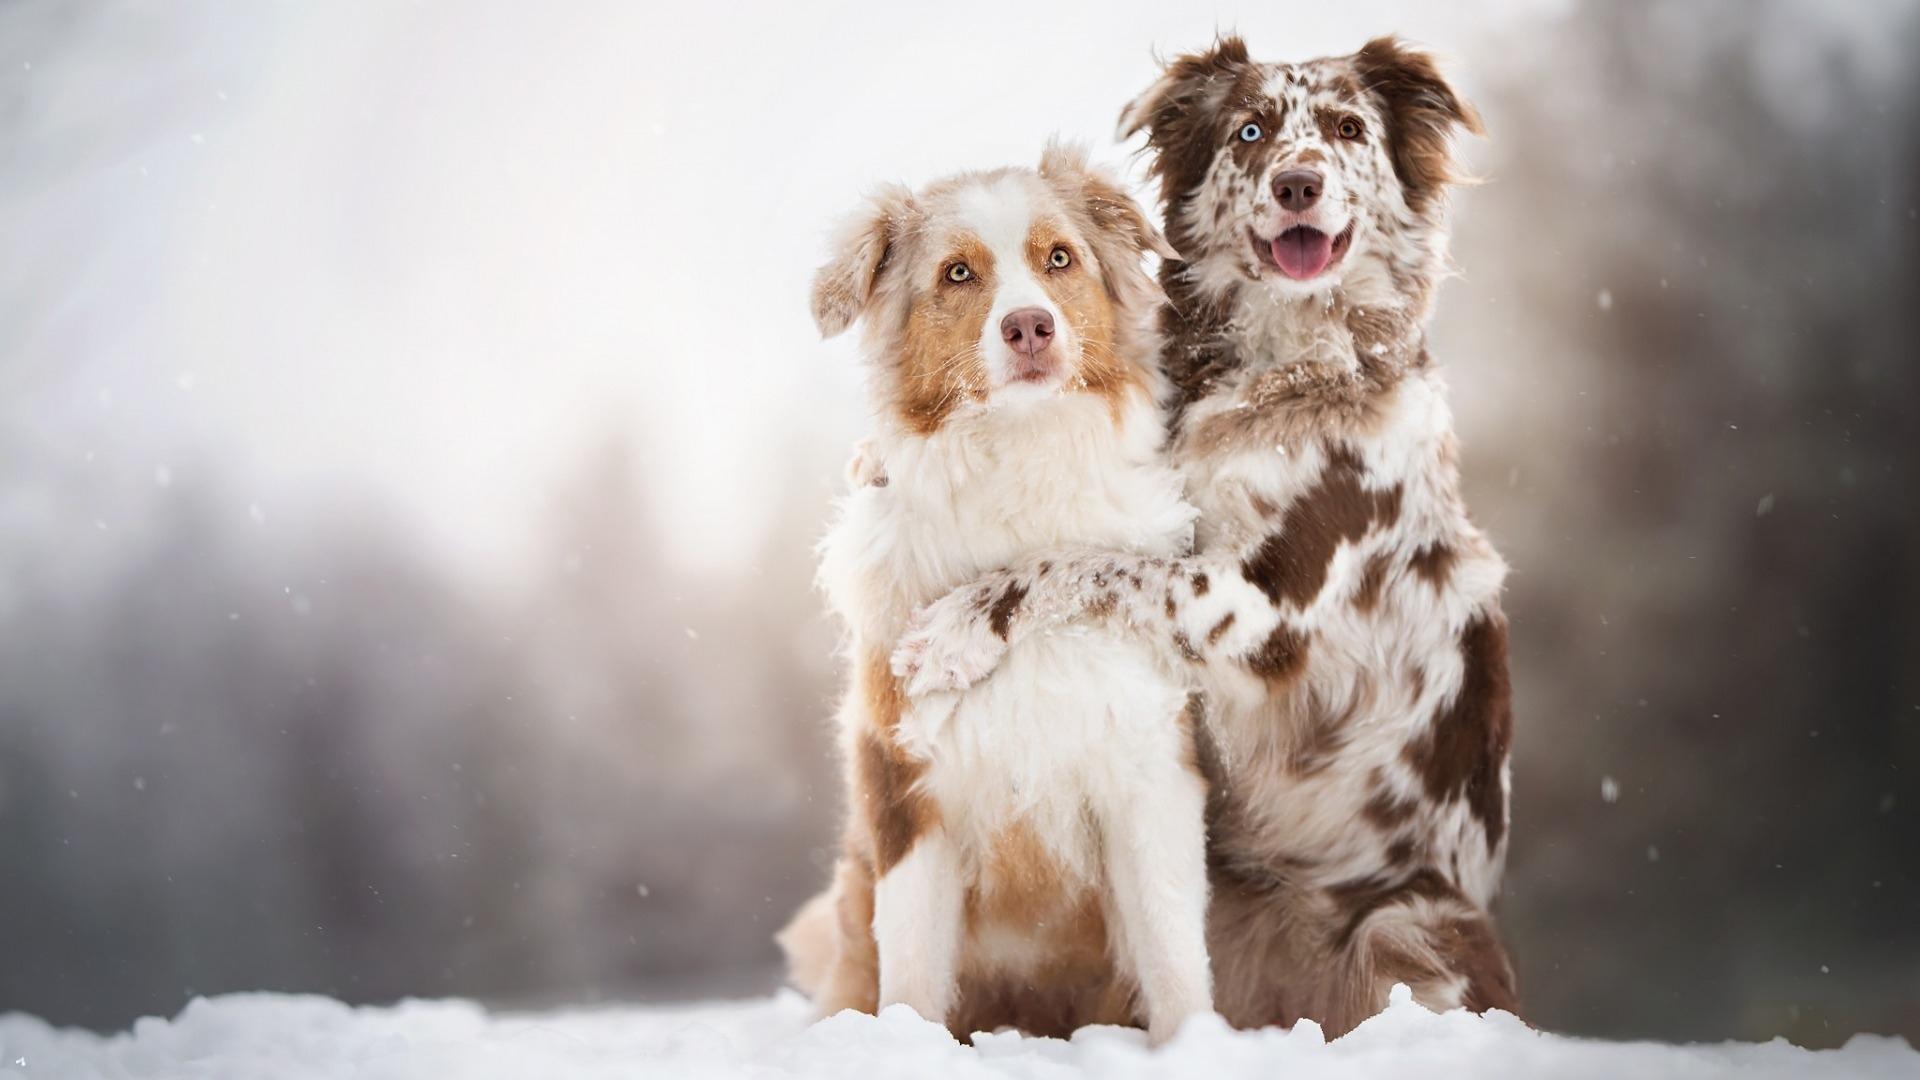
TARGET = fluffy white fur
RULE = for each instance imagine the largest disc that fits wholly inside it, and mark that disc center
(1078, 739)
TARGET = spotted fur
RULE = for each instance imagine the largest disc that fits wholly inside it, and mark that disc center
(1342, 611)
(1029, 851)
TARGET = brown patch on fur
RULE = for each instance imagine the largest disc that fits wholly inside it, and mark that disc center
(1361, 897)
(1101, 606)
(1000, 617)
(1220, 629)
(1434, 562)
(1292, 563)
(1021, 882)
(1462, 754)
(1318, 736)
(1384, 810)
(1185, 645)
(1388, 341)
(938, 366)
(883, 775)
(1201, 583)
(1422, 111)
(1372, 580)
(1072, 981)
(1280, 657)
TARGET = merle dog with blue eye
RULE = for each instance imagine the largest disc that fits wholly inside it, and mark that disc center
(1341, 615)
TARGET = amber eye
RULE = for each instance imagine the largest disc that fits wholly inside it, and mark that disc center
(1349, 128)
(959, 272)
(1060, 259)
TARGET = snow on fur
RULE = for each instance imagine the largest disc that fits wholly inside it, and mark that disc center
(287, 1036)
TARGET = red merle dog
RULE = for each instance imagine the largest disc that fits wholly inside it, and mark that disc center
(1342, 613)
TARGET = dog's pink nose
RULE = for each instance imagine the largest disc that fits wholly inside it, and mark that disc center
(1028, 330)
(1298, 189)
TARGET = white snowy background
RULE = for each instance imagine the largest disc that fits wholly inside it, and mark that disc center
(412, 438)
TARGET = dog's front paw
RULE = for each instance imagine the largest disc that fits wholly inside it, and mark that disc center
(949, 646)
(865, 468)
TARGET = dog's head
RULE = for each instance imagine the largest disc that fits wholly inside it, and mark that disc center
(1289, 175)
(1006, 287)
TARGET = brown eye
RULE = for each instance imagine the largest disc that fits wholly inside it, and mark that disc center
(959, 272)
(1060, 259)
(1349, 128)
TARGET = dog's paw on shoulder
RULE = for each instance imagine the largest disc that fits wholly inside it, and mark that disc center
(948, 647)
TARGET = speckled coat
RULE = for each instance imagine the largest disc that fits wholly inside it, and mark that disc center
(1342, 611)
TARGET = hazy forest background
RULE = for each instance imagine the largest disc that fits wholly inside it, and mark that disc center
(412, 443)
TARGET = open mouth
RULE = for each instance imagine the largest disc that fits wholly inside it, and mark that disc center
(1302, 252)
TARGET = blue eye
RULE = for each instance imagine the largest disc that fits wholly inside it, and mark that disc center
(1250, 133)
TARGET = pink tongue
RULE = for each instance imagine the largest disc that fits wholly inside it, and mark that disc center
(1302, 252)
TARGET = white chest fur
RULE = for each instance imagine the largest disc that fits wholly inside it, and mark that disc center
(991, 487)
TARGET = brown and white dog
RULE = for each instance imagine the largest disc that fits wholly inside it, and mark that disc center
(1030, 851)
(1342, 612)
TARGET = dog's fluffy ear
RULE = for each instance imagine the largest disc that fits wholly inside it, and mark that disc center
(1117, 229)
(1423, 113)
(1112, 210)
(1182, 85)
(843, 288)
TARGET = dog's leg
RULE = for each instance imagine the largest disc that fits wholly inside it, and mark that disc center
(1154, 843)
(917, 924)
(1196, 611)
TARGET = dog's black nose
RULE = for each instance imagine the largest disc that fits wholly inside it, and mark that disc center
(1298, 189)
(1028, 330)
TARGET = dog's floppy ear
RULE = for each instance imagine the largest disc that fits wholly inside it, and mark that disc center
(1113, 211)
(1181, 111)
(1182, 86)
(1116, 228)
(861, 249)
(1423, 112)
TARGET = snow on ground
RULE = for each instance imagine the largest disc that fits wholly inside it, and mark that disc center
(260, 1036)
